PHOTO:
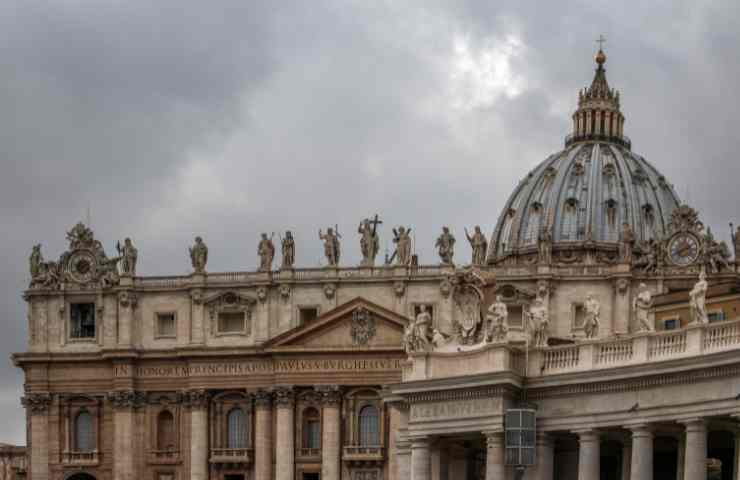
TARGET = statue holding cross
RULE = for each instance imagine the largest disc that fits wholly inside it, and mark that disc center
(369, 243)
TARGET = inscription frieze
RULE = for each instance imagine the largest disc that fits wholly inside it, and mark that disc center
(455, 409)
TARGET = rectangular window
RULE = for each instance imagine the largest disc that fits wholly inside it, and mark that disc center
(671, 324)
(166, 325)
(82, 320)
(716, 316)
(579, 315)
(307, 314)
(231, 322)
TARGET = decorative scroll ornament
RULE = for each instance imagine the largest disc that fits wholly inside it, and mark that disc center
(36, 403)
(399, 288)
(262, 294)
(468, 297)
(363, 326)
(127, 399)
(685, 219)
(285, 291)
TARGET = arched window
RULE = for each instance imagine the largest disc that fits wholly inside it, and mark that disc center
(165, 431)
(369, 427)
(84, 432)
(237, 429)
(311, 428)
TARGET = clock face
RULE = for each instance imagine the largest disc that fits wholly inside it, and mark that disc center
(684, 249)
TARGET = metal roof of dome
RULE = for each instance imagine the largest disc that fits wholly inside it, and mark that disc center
(586, 192)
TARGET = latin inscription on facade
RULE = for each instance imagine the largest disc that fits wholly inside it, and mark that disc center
(257, 367)
(454, 409)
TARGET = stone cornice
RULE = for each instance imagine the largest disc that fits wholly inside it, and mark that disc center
(461, 394)
(37, 403)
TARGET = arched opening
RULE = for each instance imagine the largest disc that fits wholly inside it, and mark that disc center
(369, 428)
(165, 431)
(84, 432)
(311, 428)
(237, 429)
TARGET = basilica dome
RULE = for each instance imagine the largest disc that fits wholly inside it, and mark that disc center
(581, 197)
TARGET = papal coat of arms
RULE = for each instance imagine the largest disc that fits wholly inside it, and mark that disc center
(363, 326)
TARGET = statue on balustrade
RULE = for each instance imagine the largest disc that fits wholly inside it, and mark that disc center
(35, 261)
(539, 322)
(369, 243)
(478, 244)
(626, 244)
(544, 246)
(735, 242)
(266, 252)
(288, 246)
(592, 322)
(332, 249)
(199, 255)
(402, 239)
(641, 305)
(416, 334)
(497, 321)
(445, 246)
(129, 256)
(698, 300)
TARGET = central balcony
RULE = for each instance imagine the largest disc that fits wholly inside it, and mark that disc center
(86, 459)
(363, 454)
(309, 454)
(231, 455)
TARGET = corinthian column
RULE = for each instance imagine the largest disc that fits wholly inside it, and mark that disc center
(642, 453)
(696, 450)
(588, 454)
(263, 435)
(495, 465)
(284, 403)
(420, 459)
(197, 400)
(331, 399)
(37, 407)
(124, 403)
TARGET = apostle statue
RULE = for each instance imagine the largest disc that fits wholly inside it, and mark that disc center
(199, 255)
(416, 334)
(593, 316)
(626, 243)
(35, 261)
(698, 300)
(402, 239)
(497, 321)
(369, 244)
(446, 246)
(266, 252)
(129, 255)
(288, 247)
(735, 242)
(641, 305)
(539, 322)
(331, 245)
(544, 246)
(479, 245)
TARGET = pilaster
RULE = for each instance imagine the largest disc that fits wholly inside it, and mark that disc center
(37, 408)
(331, 400)
(695, 456)
(197, 402)
(589, 452)
(420, 459)
(284, 399)
(124, 402)
(642, 452)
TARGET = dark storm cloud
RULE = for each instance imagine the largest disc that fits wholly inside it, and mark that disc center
(176, 118)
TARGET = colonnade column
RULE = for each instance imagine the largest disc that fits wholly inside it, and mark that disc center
(263, 435)
(589, 453)
(695, 455)
(331, 400)
(495, 462)
(420, 459)
(197, 400)
(642, 453)
(284, 403)
(37, 407)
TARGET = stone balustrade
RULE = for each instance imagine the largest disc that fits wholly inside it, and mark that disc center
(584, 355)
(164, 457)
(90, 458)
(231, 455)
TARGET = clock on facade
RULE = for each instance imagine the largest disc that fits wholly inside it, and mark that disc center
(683, 249)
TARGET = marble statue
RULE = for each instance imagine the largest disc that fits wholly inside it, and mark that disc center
(416, 334)
(332, 248)
(735, 241)
(35, 261)
(626, 243)
(716, 254)
(544, 246)
(648, 259)
(593, 316)
(369, 243)
(439, 340)
(446, 246)
(199, 255)
(266, 252)
(698, 300)
(479, 245)
(402, 239)
(497, 321)
(288, 247)
(539, 322)
(641, 305)
(129, 255)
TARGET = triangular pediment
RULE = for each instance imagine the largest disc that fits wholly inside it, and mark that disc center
(357, 324)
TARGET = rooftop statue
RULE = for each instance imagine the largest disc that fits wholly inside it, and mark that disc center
(129, 255)
(539, 323)
(35, 261)
(369, 244)
(266, 252)
(479, 244)
(497, 321)
(641, 305)
(332, 248)
(647, 260)
(544, 246)
(698, 300)
(446, 246)
(735, 241)
(593, 316)
(199, 255)
(402, 239)
(626, 244)
(288, 246)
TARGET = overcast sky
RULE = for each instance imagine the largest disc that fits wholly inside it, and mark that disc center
(225, 119)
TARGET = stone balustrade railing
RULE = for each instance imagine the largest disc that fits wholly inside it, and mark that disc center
(231, 455)
(164, 457)
(81, 458)
(353, 453)
(584, 355)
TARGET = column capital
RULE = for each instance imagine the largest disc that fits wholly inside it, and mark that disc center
(494, 438)
(196, 399)
(640, 430)
(262, 399)
(587, 434)
(37, 403)
(331, 395)
(695, 424)
(419, 442)
(126, 399)
(284, 396)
